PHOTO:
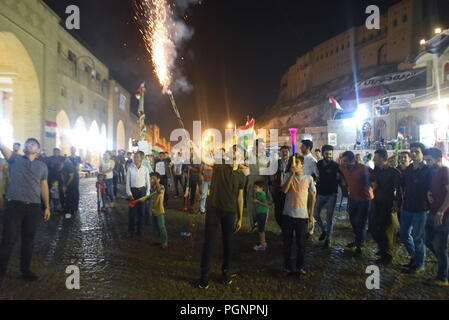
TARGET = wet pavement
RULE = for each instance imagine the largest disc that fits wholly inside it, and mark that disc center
(115, 267)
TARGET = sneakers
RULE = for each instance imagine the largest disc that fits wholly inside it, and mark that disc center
(323, 236)
(68, 216)
(227, 279)
(203, 284)
(438, 283)
(29, 276)
(260, 247)
(415, 270)
(385, 260)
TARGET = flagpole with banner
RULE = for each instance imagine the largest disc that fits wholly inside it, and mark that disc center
(335, 107)
(141, 111)
(400, 137)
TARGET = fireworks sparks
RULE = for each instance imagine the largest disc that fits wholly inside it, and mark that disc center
(156, 19)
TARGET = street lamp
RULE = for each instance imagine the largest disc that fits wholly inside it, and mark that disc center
(422, 42)
(229, 125)
(437, 30)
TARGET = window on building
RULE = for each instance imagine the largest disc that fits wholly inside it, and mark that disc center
(332, 52)
(336, 49)
(97, 76)
(347, 46)
(327, 54)
(59, 48)
(404, 18)
(63, 91)
(395, 23)
(71, 56)
(87, 68)
(81, 99)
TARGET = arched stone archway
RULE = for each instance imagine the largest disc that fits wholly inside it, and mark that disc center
(120, 140)
(63, 132)
(20, 81)
(79, 136)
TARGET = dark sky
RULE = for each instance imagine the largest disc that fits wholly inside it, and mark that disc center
(235, 60)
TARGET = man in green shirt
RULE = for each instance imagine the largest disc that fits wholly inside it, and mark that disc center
(261, 214)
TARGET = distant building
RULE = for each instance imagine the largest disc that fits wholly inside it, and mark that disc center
(357, 48)
(54, 89)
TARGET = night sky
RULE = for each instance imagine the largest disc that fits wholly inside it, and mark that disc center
(235, 60)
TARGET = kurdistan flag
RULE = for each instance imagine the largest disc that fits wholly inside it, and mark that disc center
(50, 129)
(247, 131)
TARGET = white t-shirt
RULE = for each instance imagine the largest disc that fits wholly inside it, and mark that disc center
(310, 166)
(370, 164)
(160, 168)
(106, 165)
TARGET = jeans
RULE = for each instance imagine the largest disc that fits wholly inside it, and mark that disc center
(329, 202)
(204, 194)
(178, 180)
(384, 226)
(436, 241)
(413, 233)
(109, 189)
(358, 215)
(21, 217)
(159, 228)
(138, 211)
(299, 226)
(164, 182)
(279, 202)
(214, 218)
(101, 200)
(193, 186)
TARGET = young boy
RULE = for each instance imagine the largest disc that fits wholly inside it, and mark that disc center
(55, 204)
(261, 214)
(298, 213)
(101, 192)
(159, 211)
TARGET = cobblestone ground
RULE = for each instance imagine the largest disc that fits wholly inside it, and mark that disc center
(114, 267)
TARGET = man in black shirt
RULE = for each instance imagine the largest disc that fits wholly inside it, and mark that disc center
(386, 182)
(225, 204)
(416, 182)
(327, 189)
(277, 181)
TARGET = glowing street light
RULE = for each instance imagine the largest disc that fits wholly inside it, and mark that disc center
(437, 30)
(422, 42)
(362, 112)
(229, 125)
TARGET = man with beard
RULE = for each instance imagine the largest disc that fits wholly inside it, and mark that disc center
(327, 189)
(277, 181)
(437, 227)
(23, 208)
(416, 182)
(384, 225)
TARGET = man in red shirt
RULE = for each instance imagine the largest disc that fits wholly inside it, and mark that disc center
(357, 178)
(437, 227)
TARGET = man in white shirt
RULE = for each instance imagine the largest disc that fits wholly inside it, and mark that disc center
(137, 186)
(310, 169)
(107, 169)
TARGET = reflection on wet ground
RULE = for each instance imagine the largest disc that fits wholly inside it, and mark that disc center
(115, 267)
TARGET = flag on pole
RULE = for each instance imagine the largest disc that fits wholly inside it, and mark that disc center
(401, 136)
(247, 131)
(50, 129)
(141, 111)
(334, 104)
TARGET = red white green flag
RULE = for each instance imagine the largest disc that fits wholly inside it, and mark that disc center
(141, 111)
(334, 104)
(50, 129)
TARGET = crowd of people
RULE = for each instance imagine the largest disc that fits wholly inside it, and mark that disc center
(411, 200)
